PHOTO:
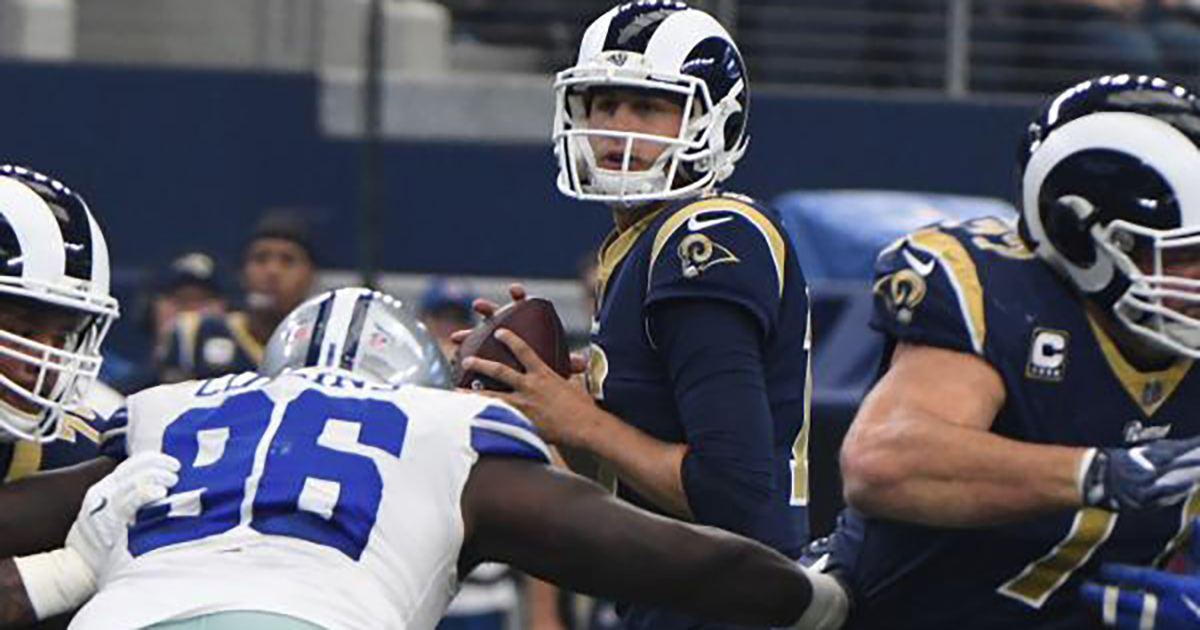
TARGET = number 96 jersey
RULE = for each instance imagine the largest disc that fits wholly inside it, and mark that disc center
(312, 495)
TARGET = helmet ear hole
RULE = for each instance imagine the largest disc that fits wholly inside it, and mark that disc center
(1068, 224)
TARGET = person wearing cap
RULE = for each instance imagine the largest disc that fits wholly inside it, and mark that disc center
(444, 307)
(190, 284)
(277, 273)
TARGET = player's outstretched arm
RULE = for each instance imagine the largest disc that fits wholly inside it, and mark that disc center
(54, 582)
(564, 529)
(37, 511)
(921, 450)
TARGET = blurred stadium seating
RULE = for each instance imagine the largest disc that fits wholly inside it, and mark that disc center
(955, 46)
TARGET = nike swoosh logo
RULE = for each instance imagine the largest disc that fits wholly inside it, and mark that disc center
(1192, 606)
(695, 224)
(103, 504)
(922, 267)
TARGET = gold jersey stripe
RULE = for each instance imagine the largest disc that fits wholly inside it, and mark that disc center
(1135, 381)
(1191, 509)
(73, 426)
(963, 275)
(239, 324)
(775, 240)
(26, 460)
(189, 329)
(614, 249)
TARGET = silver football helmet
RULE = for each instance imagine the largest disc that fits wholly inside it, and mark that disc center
(366, 333)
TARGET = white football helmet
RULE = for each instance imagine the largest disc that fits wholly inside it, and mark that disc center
(665, 47)
(53, 256)
(359, 331)
(1111, 187)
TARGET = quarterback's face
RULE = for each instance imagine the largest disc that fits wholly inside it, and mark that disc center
(277, 275)
(46, 326)
(637, 111)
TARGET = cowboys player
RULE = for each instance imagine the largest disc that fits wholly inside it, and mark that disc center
(337, 493)
(55, 310)
(699, 353)
(1142, 598)
(1035, 414)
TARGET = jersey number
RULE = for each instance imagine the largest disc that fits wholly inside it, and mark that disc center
(316, 480)
(1090, 529)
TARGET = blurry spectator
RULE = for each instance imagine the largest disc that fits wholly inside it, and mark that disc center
(277, 274)
(445, 307)
(1109, 36)
(188, 284)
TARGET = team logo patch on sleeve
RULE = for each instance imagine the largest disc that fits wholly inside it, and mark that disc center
(902, 292)
(698, 252)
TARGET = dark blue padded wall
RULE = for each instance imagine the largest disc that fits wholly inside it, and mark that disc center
(187, 158)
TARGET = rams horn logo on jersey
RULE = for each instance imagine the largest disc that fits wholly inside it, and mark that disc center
(698, 252)
(1047, 355)
(902, 292)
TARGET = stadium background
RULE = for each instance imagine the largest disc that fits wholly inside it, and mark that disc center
(182, 120)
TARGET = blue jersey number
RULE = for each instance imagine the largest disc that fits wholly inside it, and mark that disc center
(318, 481)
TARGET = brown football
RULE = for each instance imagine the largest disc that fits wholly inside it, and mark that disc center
(535, 321)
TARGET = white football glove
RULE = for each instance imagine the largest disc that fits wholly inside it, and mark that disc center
(61, 580)
(829, 606)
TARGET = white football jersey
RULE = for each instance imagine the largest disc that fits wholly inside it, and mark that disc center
(312, 495)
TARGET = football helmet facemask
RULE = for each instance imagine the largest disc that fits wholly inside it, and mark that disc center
(1111, 199)
(666, 49)
(54, 258)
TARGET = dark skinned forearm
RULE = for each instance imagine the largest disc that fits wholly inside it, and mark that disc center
(568, 531)
(15, 608)
(37, 511)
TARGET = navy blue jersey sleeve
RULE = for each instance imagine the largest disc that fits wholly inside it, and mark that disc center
(112, 435)
(720, 248)
(713, 356)
(501, 431)
(928, 292)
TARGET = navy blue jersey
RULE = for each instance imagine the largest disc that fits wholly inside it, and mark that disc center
(79, 442)
(207, 346)
(975, 288)
(728, 250)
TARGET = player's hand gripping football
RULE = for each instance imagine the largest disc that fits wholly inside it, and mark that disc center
(1156, 474)
(1138, 598)
(61, 580)
(488, 309)
(556, 405)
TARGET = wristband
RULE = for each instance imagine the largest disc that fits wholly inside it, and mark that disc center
(56, 581)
